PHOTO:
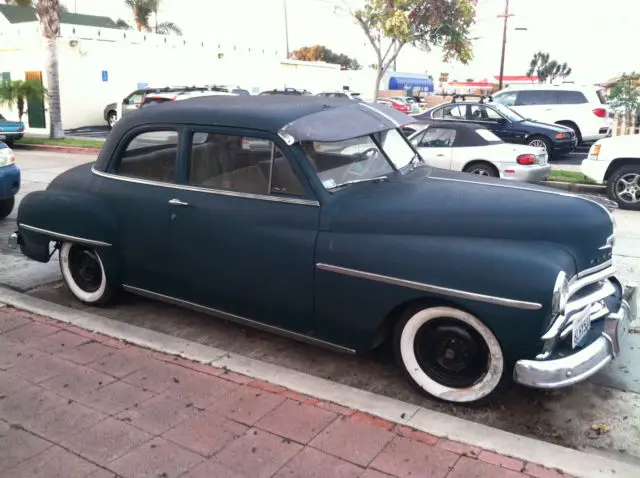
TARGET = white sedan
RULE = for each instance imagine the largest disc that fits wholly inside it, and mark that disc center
(616, 161)
(474, 149)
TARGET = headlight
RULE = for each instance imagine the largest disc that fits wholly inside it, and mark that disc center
(6, 157)
(594, 152)
(560, 294)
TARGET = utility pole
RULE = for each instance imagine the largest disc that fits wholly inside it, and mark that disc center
(286, 26)
(504, 40)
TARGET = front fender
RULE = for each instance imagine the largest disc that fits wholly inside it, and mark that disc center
(437, 268)
(53, 215)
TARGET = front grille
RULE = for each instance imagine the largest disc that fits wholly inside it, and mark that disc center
(587, 296)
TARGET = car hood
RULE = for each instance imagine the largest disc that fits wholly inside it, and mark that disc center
(556, 128)
(446, 203)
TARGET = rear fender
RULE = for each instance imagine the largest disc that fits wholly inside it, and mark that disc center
(58, 216)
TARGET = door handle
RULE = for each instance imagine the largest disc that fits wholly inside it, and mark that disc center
(177, 202)
(439, 155)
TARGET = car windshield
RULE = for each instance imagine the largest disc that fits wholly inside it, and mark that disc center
(508, 112)
(362, 159)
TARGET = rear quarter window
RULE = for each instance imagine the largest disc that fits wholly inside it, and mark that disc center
(537, 97)
(571, 98)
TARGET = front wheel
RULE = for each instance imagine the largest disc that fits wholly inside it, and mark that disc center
(451, 355)
(112, 119)
(84, 274)
(6, 206)
(623, 186)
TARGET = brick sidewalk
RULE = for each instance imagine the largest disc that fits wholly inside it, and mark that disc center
(76, 404)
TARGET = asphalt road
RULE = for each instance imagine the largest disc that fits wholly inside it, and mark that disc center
(563, 416)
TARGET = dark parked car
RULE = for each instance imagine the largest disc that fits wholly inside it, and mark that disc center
(9, 179)
(337, 233)
(508, 125)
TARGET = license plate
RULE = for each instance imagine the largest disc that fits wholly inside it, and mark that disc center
(580, 327)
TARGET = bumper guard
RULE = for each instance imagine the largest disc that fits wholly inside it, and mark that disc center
(562, 372)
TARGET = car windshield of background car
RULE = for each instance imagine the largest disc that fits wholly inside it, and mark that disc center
(357, 159)
(508, 113)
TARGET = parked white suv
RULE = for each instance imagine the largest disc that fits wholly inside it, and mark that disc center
(616, 161)
(582, 108)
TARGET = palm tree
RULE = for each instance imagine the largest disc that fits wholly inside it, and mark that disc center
(142, 11)
(17, 92)
(49, 14)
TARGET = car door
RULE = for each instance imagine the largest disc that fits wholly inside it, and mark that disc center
(435, 145)
(137, 185)
(491, 119)
(244, 229)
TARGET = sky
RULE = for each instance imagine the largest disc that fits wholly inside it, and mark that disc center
(593, 40)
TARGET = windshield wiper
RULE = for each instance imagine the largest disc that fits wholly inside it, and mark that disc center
(377, 179)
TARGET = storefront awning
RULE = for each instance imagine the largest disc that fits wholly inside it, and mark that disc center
(400, 81)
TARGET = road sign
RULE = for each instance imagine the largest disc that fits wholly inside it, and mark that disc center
(105, 75)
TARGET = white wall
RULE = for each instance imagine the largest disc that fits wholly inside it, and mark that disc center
(131, 58)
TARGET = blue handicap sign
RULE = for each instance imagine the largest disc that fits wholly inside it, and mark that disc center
(142, 85)
(105, 75)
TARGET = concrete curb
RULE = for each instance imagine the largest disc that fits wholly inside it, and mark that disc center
(576, 187)
(56, 149)
(571, 461)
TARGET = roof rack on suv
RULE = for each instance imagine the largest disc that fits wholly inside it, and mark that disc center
(464, 97)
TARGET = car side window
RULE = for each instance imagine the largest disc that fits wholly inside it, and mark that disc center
(242, 164)
(507, 99)
(151, 156)
(133, 99)
(536, 97)
(438, 138)
(571, 98)
(455, 112)
(484, 113)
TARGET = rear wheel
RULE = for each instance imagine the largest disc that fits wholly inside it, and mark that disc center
(451, 355)
(623, 186)
(6, 206)
(84, 274)
(482, 168)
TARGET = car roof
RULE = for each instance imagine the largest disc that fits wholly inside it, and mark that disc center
(293, 118)
(545, 86)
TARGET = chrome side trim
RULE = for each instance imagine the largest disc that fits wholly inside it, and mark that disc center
(597, 268)
(221, 192)
(236, 318)
(64, 237)
(518, 304)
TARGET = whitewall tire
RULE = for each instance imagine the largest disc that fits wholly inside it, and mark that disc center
(84, 274)
(450, 354)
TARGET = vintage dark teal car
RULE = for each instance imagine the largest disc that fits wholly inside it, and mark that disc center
(315, 218)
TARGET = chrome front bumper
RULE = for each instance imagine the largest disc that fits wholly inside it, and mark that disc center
(574, 368)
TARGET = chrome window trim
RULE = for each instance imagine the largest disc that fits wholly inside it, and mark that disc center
(64, 237)
(220, 192)
(236, 318)
(518, 304)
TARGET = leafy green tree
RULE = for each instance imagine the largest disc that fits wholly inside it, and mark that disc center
(546, 69)
(389, 25)
(322, 53)
(625, 94)
(15, 94)
(144, 10)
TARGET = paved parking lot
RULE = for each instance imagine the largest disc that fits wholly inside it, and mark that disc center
(564, 416)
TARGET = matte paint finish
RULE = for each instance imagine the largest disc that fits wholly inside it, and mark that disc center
(258, 259)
